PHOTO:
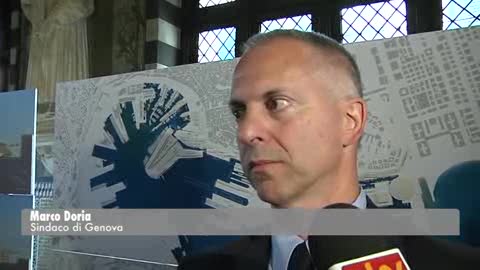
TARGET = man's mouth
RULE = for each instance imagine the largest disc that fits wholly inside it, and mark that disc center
(260, 163)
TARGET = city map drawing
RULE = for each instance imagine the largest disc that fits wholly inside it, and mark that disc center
(165, 139)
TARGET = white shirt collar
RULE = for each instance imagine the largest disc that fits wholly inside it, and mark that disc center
(361, 201)
(283, 245)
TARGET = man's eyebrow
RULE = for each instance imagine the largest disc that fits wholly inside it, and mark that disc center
(233, 103)
(272, 92)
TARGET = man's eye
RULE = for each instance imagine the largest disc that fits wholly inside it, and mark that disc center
(277, 104)
(237, 113)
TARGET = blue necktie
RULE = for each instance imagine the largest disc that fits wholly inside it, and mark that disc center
(300, 258)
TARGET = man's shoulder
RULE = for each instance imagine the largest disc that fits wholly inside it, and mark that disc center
(246, 252)
(433, 253)
(420, 252)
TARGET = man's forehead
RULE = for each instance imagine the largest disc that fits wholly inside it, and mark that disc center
(281, 60)
(279, 49)
(258, 81)
(282, 53)
(280, 57)
(290, 81)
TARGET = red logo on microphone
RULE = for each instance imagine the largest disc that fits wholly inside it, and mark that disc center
(386, 260)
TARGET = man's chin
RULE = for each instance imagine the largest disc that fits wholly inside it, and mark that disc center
(271, 196)
(267, 187)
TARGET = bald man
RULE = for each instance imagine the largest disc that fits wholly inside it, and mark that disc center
(300, 117)
(297, 100)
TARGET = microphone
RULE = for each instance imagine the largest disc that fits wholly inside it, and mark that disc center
(355, 252)
(390, 259)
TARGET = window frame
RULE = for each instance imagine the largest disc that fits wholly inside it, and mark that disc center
(422, 16)
(453, 22)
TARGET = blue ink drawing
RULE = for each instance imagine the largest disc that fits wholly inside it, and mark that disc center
(159, 170)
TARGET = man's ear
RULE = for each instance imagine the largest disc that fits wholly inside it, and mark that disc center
(354, 120)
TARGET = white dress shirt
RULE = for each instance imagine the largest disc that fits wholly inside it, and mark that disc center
(283, 245)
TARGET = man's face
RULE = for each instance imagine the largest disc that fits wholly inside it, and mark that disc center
(289, 122)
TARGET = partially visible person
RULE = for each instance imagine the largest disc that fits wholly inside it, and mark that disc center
(297, 100)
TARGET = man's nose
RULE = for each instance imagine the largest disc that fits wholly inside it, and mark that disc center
(252, 129)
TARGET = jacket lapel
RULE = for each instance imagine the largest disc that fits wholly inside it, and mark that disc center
(249, 252)
(254, 252)
(259, 248)
(370, 203)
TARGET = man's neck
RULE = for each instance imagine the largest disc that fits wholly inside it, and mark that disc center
(324, 196)
(339, 186)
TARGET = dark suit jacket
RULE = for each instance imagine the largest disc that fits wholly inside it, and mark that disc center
(421, 253)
